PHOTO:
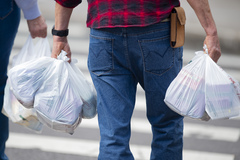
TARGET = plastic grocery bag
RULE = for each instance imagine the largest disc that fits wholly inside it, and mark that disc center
(202, 90)
(236, 85)
(31, 51)
(185, 95)
(19, 114)
(55, 89)
(25, 79)
(221, 96)
(16, 112)
(88, 93)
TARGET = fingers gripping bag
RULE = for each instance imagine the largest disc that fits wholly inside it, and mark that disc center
(203, 90)
(12, 108)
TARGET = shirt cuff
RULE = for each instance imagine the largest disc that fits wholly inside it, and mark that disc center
(30, 8)
(32, 12)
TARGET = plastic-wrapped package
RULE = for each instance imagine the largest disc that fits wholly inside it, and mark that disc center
(58, 91)
(185, 95)
(26, 79)
(57, 102)
(88, 93)
(221, 97)
(19, 114)
(16, 112)
(202, 90)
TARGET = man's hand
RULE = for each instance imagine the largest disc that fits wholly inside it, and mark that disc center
(37, 27)
(213, 46)
(59, 44)
(62, 17)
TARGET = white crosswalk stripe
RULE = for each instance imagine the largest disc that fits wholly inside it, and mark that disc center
(90, 148)
(200, 131)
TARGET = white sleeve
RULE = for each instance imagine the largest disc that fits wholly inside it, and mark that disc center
(30, 8)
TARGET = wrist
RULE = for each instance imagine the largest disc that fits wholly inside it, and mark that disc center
(59, 33)
(59, 39)
(211, 30)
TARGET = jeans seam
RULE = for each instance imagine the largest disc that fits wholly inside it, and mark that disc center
(2, 18)
(126, 52)
(111, 55)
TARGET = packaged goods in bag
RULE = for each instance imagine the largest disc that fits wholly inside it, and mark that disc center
(185, 95)
(12, 108)
(87, 92)
(19, 114)
(21, 76)
(57, 102)
(203, 90)
(58, 91)
(221, 97)
(26, 79)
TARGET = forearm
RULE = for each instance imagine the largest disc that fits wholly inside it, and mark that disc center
(203, 12)
(62, 17)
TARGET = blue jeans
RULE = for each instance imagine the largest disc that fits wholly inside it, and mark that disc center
(119, 59)
(9, 22)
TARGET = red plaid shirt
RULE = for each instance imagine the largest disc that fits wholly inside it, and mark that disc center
(124, 13)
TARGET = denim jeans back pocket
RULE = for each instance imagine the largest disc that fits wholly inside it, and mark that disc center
(158, 56)
(6, 7)
(100, 59)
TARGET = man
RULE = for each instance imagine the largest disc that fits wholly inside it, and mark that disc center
(130, 44)
(9, 22)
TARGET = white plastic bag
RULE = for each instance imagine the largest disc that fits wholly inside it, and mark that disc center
(19, 114)
(87, 92)
(202, 90)
(185, 95)
(11, 107)
(57, 101)
(57, 90)
(221, 97)
(236, 85)
(27, 78)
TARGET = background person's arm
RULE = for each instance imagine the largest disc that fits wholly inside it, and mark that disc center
(36, 23)
(203, 12)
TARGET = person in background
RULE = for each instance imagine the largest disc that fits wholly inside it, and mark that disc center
(9, 22)
(130, 44)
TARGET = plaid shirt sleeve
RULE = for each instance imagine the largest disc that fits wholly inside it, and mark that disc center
(69, 3)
